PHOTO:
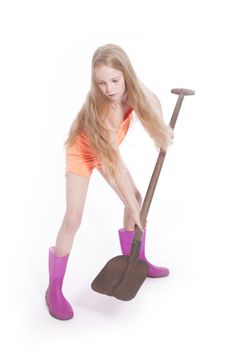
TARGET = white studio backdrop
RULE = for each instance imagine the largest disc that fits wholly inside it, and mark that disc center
(46, 51)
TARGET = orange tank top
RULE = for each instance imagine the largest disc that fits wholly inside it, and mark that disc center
(80, 158)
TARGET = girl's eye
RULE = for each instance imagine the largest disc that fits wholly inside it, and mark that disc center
(115, 81)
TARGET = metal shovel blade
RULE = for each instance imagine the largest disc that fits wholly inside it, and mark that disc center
(121, 277)
(132, 280)
(110, 275)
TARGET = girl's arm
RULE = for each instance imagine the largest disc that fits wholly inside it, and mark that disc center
(124, 186)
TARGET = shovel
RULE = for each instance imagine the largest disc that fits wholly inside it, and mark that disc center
(122, 276)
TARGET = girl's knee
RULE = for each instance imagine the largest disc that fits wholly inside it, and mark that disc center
(72, 221)
(138, 198)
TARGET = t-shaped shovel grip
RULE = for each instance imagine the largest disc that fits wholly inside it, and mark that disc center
(184, 92)
(159, 163)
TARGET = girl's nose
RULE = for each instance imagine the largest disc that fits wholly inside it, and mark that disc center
(108, 88)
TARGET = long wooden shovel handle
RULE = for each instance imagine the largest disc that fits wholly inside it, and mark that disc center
(159, 163)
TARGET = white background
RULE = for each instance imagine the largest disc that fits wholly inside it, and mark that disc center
(46, 50)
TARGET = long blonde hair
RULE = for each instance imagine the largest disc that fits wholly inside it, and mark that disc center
(92, 116)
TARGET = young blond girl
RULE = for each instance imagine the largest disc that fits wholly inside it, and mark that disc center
(93, 142)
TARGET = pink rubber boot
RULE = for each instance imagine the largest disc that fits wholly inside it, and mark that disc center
(58, 306)
(126, 239)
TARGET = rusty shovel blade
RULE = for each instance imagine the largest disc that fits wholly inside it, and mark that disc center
(122, 276)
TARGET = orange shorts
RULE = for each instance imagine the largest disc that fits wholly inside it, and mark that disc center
(80, 158)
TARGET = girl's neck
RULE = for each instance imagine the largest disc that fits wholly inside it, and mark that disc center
(122, 105)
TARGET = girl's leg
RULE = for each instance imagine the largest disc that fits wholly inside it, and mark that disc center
(129, 222)
(76, 191)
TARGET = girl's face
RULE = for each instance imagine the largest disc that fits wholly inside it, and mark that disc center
(111, 82)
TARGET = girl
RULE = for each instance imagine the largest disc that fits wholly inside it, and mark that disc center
(93, 142)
